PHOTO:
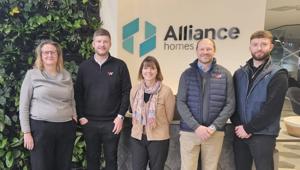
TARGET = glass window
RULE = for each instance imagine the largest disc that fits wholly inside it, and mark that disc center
(287, 48)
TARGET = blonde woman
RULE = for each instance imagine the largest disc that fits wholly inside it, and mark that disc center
(152, 105)
(47, 110)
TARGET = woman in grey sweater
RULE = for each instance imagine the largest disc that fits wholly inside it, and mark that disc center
(47, 110)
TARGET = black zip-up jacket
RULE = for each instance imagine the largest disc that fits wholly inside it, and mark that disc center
(101, 93)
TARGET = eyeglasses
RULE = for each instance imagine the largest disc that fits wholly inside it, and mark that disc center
(49, 52)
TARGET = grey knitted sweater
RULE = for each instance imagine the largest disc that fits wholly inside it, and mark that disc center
(45, 97)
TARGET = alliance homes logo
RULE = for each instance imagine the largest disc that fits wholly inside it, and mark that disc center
(176, 37)
(128, 37)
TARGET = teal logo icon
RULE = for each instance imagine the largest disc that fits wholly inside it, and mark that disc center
(130, 29)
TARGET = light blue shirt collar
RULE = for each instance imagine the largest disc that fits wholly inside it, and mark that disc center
(201, 66)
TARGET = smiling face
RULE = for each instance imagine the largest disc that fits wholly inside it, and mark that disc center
(49, 55)
(101, 45)
(205, 51)
(149, 72)
(260, 48)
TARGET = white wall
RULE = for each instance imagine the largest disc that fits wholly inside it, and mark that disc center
(109, 17)
(248, 16)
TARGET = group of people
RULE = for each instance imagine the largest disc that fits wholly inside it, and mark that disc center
(207, 97)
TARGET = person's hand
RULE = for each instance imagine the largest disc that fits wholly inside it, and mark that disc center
(28, 141)
(203, 132)
(74, 118)
(118, 125)
(241, 133)
(83, 121)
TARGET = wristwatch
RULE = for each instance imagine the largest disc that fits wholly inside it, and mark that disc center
(213, 127)
(121, 117)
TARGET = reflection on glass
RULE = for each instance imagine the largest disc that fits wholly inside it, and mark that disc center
(287, 48)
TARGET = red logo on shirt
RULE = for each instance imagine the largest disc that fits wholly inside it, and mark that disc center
(217, 75)
(110, 73)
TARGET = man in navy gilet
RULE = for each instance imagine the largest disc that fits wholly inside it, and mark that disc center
(260, 91)
(205, 101)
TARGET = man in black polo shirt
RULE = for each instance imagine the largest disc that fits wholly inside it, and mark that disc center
(102, 99)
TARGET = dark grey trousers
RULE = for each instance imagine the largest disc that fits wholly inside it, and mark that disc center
(144, 151)
(96, 135)
(53, 145)
(258, 148)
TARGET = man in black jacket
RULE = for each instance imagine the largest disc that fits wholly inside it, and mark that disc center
(260, 91)
(102, 99)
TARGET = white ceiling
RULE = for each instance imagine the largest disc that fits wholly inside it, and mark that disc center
(282, 12)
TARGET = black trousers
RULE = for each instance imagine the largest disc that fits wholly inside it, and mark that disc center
(259, 148)
(53, 145)
(144, 151)
(96, 134)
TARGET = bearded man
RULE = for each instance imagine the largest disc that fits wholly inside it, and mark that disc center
(260, 88)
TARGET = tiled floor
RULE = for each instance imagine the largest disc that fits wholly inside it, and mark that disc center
(289, 155)
(289, 152)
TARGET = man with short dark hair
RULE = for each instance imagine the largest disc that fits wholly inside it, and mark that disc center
(260, 91)
(102, 99)
(205, 101)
